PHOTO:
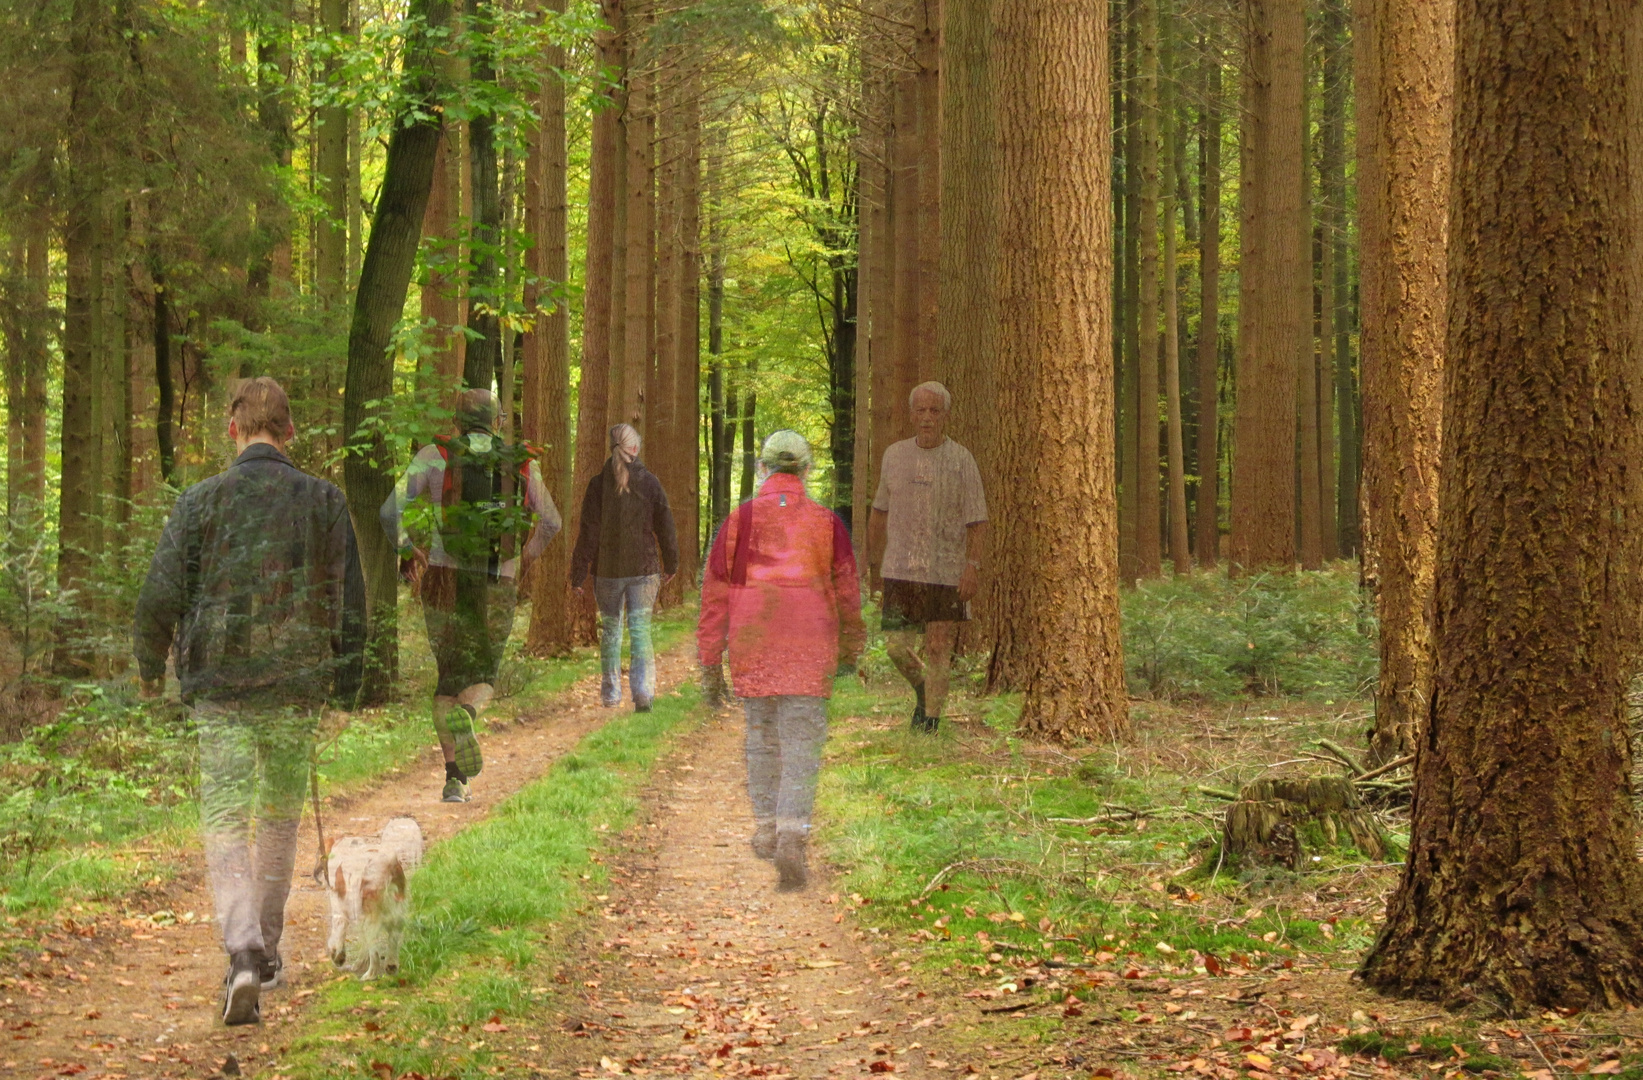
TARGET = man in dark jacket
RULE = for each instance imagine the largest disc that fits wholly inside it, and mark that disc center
(627, 541)
(256, 584)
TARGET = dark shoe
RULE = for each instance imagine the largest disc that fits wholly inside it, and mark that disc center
(918, 717)
(269, 972)
(790, 861)
(641, 706)
(931, 723)
(764, 840)
(240, 989)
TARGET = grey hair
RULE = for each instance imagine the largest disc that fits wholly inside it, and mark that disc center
(934, 388)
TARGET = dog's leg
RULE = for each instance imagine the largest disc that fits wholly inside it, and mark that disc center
(337, 944)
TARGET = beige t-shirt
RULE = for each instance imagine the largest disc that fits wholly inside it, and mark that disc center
(932, 497)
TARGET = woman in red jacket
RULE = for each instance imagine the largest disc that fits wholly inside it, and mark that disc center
(781, 594)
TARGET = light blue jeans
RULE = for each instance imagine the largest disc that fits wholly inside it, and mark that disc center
(634, 596)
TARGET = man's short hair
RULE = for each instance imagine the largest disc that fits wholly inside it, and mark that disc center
(260, 407)
(476, 408)
(935, 388)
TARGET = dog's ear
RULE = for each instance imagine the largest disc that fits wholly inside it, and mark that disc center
(340, 884)
(330, 842)
(396, 877)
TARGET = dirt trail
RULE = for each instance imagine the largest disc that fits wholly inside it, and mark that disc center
(697, 963)
(141, 1001)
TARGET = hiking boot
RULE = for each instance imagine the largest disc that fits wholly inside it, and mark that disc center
(919, 719)
(764, 840)
(240, 989)
(460, 721)
(455, 791)
(269, 972)
(790, 861)
(931, 723)
(641, 706)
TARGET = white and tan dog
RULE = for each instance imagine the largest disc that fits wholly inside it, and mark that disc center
(368, 878)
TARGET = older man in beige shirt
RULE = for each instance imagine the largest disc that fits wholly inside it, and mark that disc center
(924, 543)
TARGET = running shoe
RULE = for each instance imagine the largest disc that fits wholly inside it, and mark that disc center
(455, 790)
(460, 721)
(240, 989)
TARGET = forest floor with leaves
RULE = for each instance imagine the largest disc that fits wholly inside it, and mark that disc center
(983, 908)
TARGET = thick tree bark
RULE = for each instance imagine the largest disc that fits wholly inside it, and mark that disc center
(1405, 94)
(28, 321)
(1522, 884)
(1208, 496)
(1062, 645)
(687, 360)
(1274, 276)
(1180, 547)
(897, 377)
(639, 295)
(927, 21)
(546, 350)
(873, 281)
(390, 256)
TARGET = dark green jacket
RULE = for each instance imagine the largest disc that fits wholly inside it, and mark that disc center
(257, 583)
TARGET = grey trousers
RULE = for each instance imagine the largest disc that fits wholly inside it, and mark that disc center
(784, 746)
(253, 774)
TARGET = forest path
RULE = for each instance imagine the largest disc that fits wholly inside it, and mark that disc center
(697, 964)
(142, 1001)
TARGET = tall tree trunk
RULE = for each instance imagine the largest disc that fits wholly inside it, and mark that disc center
(331, 258)
(1148, 509)
(1273, 284)
(28, 320)
(1405, 52)
(272, 259)
(1061, 646)
(443, 281)
(750, 437)
(1180, 548)
(165, 410)
(1522, 880)
(598, 318)
(721, 410)
(484, 346)
(546, 350)
(660, 400)
(1129, 558)
(687, 361)
(895, 379)
(639, 124)
(927, 20)
(1208, 497)
(390, 256)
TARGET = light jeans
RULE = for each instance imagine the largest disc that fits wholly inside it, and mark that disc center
(253, 774)
(634, 596)
(784, 747)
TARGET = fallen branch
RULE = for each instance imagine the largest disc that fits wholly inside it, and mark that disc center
(1345, 758)
(1388, 767)
(1218, 793)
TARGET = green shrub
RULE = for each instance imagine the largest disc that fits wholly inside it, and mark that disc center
(1210, 636)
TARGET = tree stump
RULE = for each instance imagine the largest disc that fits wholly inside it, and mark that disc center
(1280, 821)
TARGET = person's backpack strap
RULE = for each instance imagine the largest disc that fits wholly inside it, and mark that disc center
(744, 540)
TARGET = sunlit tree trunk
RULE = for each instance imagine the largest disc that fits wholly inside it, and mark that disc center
(1060, 642)
(1180, 548)
(1148, 506)
(1129, 419)
(1522, 883)
(331, 258)
(639, 294)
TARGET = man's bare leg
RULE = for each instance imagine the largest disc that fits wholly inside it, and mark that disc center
(939, 638)
(903, 649)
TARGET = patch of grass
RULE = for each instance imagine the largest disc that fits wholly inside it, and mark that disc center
(990, 851)
(481, 906)
(1465, 1053)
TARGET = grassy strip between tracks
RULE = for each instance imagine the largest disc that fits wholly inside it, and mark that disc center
(484, 905)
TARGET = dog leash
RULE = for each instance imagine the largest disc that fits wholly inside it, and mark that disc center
(320, 854)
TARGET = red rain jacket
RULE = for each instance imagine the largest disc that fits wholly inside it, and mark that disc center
(786, 600)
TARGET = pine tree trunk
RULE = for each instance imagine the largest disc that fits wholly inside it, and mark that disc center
(1129, 517)
(1273, 284)
(484, 345)
(546, 350)
(443, 282)
(1208, 496)
(639, 295)
(28, 319)
(1405, 93)
(1522, 883)
(379, 303)
(892, 384)
(1180, 547)
(687, 358)
(927, 21)
(721, 410)
(1148, 507)
(874, 281)
(331, 256)
(1061, 644)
